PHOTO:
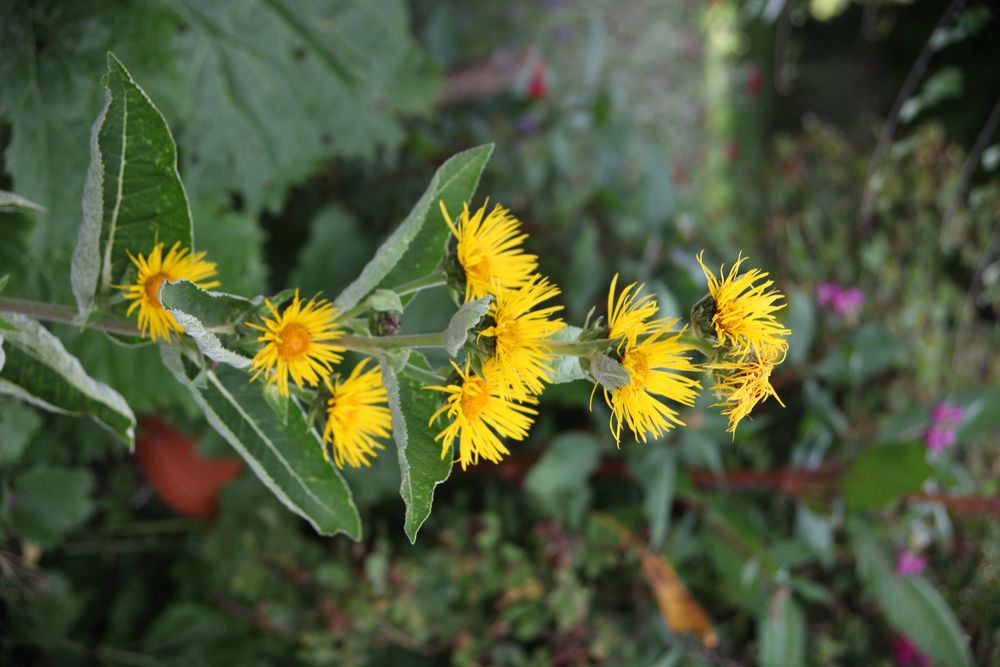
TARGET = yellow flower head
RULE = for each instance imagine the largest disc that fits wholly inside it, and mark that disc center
(655, 366)
(298, 343)
(740, 385)
(520, 334)
(356, 414)
(179, 264)
(743, 316)
(480, 415)
(631, 315)
(489, 250)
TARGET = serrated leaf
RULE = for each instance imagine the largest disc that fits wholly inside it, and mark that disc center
(204, 314)
(286, 457)
(911, 605)
(49, 502)
(415, 248)
(883, 474)
(133, 196)
(40, 371)
(10, 201)
(467, 317)
(421, 465)
(782, 632)
(567, 368)
(611, 374)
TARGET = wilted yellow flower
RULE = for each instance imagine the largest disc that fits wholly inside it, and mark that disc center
(520, 335)
(356, 415)
(631, 314)
(655, 367)
(740, 385)
(743, 317)
(298, 343)
(479, 416)
(179, 264)
(489, 250)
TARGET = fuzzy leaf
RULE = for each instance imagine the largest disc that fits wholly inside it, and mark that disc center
(133, 196)
(420, 462)
(611, 374)
(287, 457)
(204, 315)
(40, 371)
(567, 369)
(416, 247)
(467, 317)
(11, 202)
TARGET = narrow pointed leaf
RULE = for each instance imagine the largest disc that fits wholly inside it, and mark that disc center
(421, 465)
(417, 245)
(611, 374)
(287, 457)
(782, 632)
(133, 196)
(40, 371)
(12, 202)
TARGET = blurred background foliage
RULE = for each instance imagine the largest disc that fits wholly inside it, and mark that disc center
(834, 142)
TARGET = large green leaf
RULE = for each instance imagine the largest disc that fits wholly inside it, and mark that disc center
(208, 317)
(417, 245)
(782, 632)
(272, 88)
(49, 502)
(911, 605)
(40, 371)
(285, 454)
(882, 474)
(420, 462)
(133, 196)
(559, 480)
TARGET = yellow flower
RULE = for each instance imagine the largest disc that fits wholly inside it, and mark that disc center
(489, 250)
(743, 316)
(655, 366)
(520, 334)
(298, 343)
(356, 414)
(630, 315)
(480, 415)
(742, 385)
(179, 264)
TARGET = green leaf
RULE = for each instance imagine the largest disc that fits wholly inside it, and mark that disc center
(782, 632)
(559, 479)
(869, 351)
(49, 502)
(800, 318)
(911, 605)
(467, 317)
(206, 315)
(133, 196)
(883, 474)
(10, 201)
(566, 368)
(18, 423)
(656, 469)
(275, 88)
(421, 464)
(415, 248)
(611, 374)
(286, 457)
(385, 301)
(40, 371)
(3, 355)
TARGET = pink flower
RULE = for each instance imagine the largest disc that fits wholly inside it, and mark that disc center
(908, 562)
(945, 419)
(844, 301)
(947, 414)
(906, 654)
(826, 294)
(939, 438)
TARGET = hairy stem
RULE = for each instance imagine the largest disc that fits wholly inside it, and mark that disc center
(436, 279)
(51, 312)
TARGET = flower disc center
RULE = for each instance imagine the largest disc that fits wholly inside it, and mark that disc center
(475, 396)
(153, 287)
(294, 341)
(637, 365)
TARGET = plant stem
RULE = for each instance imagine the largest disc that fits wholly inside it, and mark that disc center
(51, 312)
(435, 279)
(579, 348)
(379, 343)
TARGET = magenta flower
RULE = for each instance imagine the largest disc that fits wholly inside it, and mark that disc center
(947, 414)
(906, 654)
(945, 419)
(908, 562)
(844, 301)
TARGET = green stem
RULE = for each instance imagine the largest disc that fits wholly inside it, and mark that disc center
(435, 279)
(378, 344)
(51, 312)
(696, 341)
(580, 348)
